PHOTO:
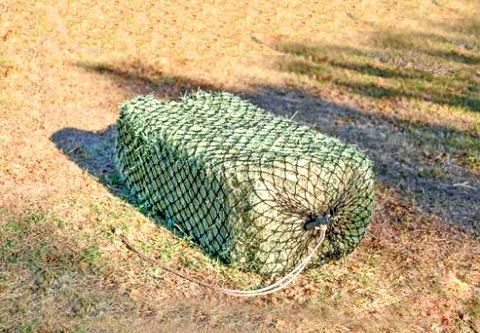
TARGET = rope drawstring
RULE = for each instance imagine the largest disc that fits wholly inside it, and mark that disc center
(279, 285)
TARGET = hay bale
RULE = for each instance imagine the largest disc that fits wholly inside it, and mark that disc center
(243, 183)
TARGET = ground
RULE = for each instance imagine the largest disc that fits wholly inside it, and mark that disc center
(400, 79)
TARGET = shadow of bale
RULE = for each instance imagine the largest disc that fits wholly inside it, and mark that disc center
(95, 153)
(92, 151)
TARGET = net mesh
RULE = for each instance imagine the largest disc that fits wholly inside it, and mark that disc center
(248, 187)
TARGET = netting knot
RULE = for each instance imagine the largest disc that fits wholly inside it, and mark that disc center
(314, 221)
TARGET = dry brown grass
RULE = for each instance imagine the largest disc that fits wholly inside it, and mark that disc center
(360, 70)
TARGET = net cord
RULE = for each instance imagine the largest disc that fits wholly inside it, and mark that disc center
(274, 287)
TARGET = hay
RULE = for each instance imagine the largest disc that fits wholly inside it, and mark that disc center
(243, 183)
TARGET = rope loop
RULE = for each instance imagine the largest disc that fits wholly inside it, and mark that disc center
(274, 287)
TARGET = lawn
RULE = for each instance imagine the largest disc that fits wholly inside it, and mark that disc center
(400, 79)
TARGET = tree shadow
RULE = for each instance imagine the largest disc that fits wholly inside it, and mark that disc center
(140, 79)
(415, 159)
(434, 45)
(466, 31)
(408, 75)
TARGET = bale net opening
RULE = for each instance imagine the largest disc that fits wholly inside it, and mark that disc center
(248, 187)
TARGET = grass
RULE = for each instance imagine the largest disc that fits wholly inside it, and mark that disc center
(398, 79)
(390, 71)
(42, 264)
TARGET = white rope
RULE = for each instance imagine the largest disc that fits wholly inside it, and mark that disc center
(286, 280)
(279, 285)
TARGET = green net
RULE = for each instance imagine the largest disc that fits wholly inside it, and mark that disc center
(248, 187)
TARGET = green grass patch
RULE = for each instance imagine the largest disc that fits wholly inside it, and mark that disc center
(91, 255)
